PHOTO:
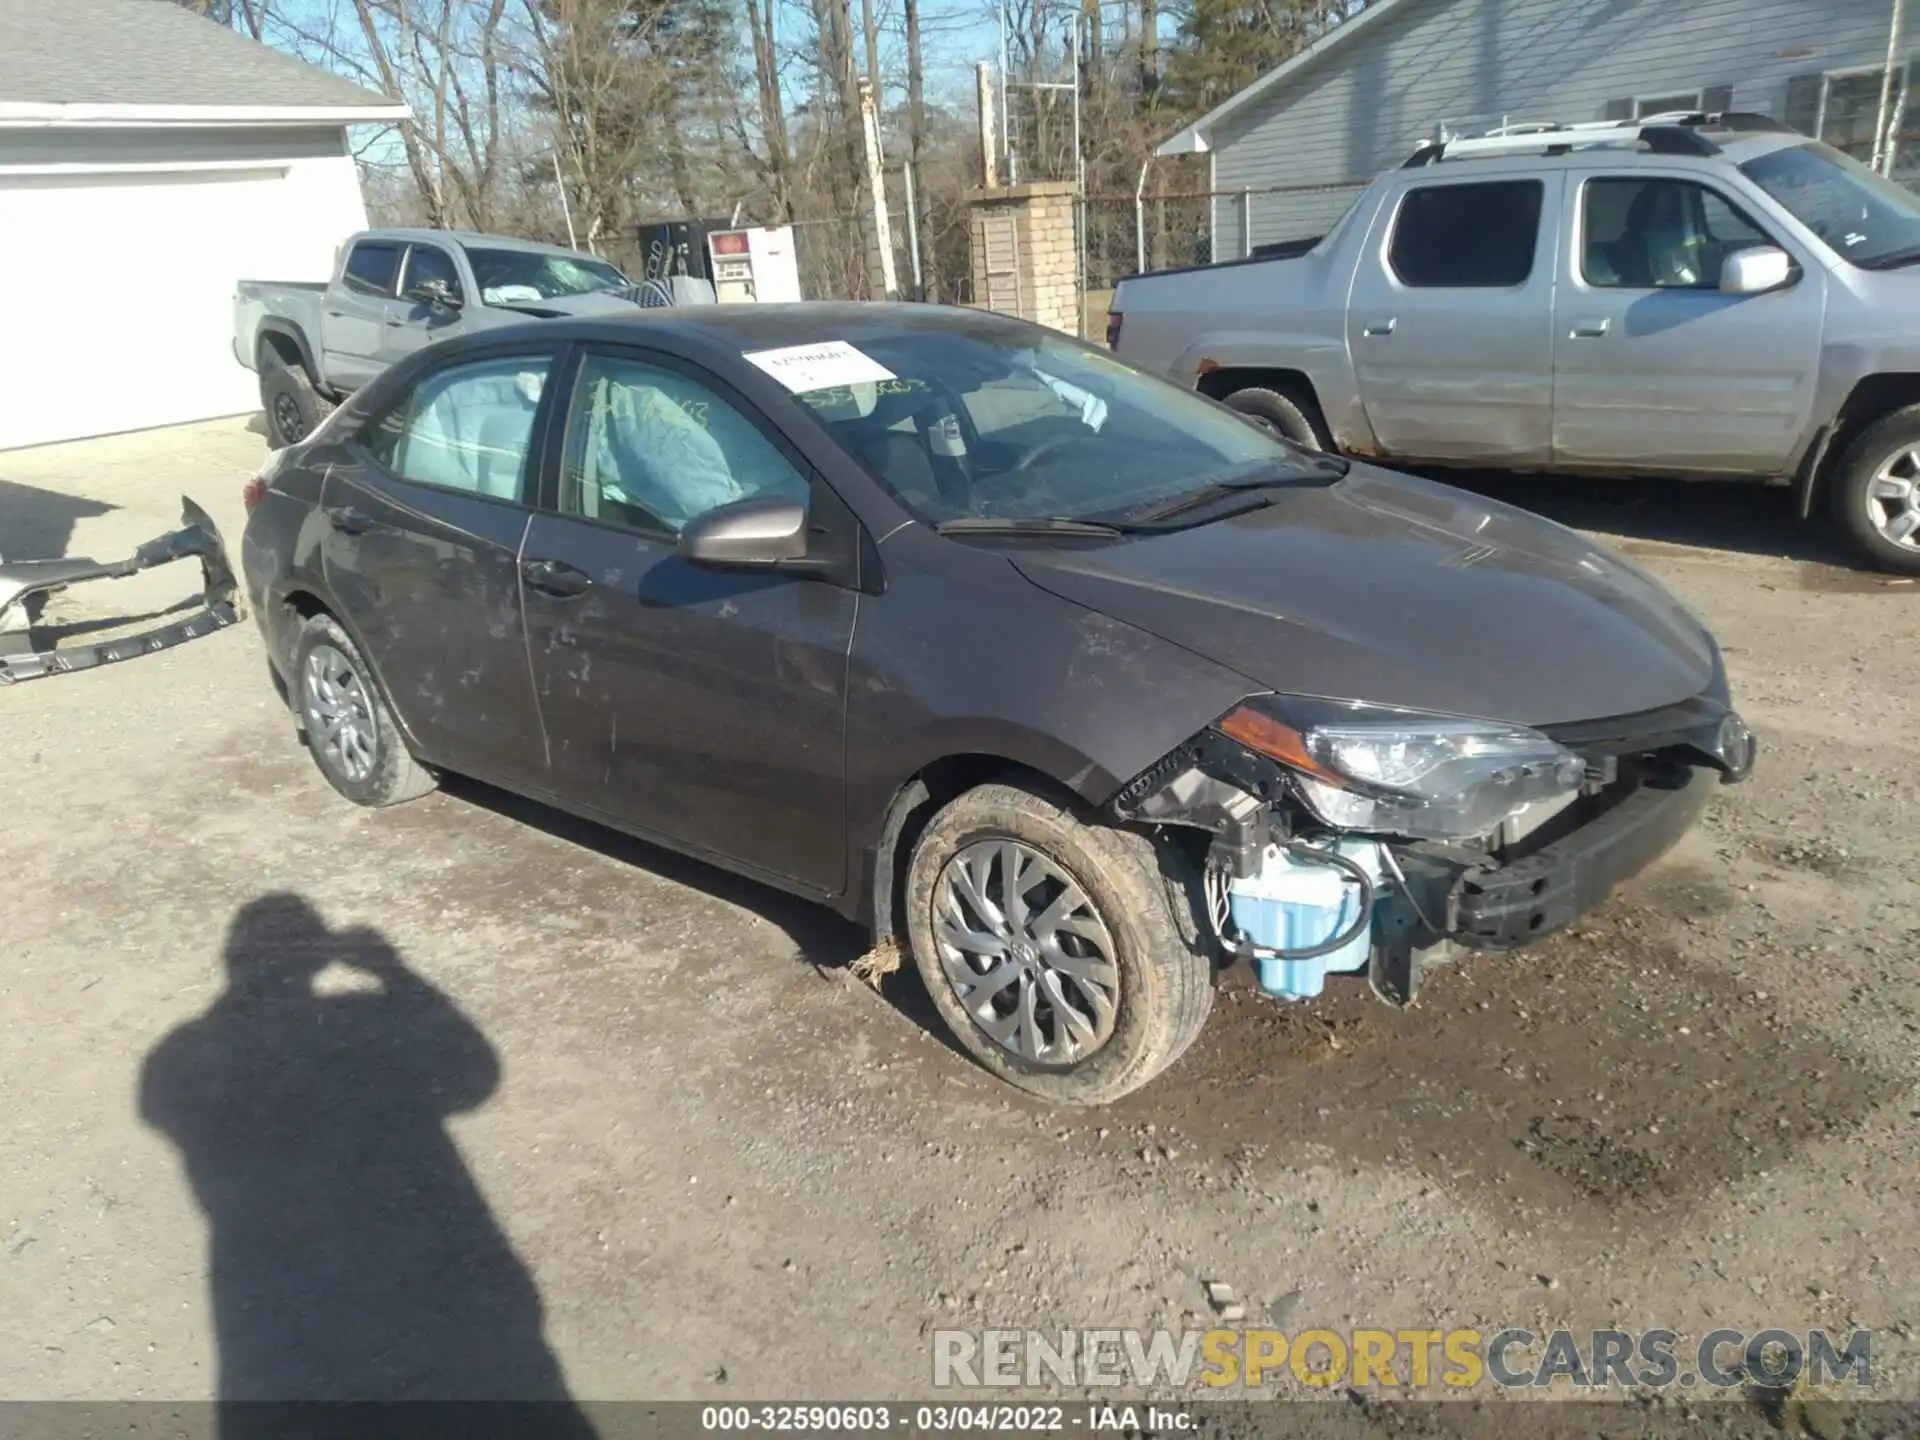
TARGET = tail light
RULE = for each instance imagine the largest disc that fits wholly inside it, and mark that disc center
(1113, 329)
(253, 492)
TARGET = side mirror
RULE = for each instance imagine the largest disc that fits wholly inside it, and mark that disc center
(436, 293)
(1755, 271)
(747, 533)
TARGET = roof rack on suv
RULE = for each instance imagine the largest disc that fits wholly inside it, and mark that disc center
(1675, 132)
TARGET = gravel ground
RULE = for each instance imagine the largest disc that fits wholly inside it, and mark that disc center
(467, 1096)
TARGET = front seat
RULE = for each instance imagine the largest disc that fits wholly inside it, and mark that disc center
(502, 446)
(1660, 246)
(900, 460)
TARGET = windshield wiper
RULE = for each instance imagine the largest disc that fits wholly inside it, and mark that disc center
(1892, 260)
(1026, 525)
(1241, 487)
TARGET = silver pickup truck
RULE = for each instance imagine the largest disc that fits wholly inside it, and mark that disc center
(1704, 296)
(393, 291)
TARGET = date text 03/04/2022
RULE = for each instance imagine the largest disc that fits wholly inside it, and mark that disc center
(944, 1418)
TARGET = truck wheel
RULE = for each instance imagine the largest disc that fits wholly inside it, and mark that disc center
(1876, 492)
(293, 406)
(345, 721)
(1294, 417)
(1064, 954)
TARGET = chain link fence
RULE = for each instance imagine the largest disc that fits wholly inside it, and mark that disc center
(1121, 235)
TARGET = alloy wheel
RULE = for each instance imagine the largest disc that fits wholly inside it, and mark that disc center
(1027, 954)
(1893, 499)
(339, 717)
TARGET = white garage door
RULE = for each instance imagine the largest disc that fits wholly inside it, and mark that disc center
(116, 296)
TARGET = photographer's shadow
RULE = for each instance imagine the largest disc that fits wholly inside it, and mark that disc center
(352, 1256)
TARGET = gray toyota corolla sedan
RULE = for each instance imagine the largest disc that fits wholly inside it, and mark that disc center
(1077, 686)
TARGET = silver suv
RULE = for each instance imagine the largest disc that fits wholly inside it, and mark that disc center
(1716, 297)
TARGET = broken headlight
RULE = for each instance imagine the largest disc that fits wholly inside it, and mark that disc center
(1405, 772)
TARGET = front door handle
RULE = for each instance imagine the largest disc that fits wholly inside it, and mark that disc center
(1591, 329)
(349, 521)
(1381, 327)
(394, 322)
(554, 577)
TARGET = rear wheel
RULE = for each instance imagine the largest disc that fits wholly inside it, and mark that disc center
(345, 721)
(1876, 492)
(293, 406)
(1290, 415)
(1063, 954)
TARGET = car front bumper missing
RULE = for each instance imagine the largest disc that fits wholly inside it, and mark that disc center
(1504, 906)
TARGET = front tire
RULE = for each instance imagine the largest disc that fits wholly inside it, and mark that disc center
(345, 722)
(1063, 954)
(1876, 492)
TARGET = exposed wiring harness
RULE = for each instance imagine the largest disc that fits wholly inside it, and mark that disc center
(1220, 904)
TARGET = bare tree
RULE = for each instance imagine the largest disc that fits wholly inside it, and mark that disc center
(774, 160)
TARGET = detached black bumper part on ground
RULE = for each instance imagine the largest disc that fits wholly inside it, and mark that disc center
(24, 583)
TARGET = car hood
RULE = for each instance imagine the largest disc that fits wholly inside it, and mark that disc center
(1399, 591)
(593, 302)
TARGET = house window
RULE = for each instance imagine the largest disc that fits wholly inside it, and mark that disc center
(1667, 105)
(1852, 109)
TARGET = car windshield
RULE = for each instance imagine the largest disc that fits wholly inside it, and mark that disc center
(514, 277)
(1867, 220)
(993, 422)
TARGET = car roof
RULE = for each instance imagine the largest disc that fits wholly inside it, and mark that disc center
(739, 328)
(469, 238)
(1735, 147)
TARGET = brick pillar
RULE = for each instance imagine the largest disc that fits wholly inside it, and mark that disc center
(1025, 262)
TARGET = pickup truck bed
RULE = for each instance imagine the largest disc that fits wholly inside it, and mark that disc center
(294, 301)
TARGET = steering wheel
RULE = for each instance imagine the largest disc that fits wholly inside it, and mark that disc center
(1045, 447)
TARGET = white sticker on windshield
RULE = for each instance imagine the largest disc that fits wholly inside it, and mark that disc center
(824, 366)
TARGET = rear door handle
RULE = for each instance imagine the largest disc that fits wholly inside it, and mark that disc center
(349, 521)
(1591, 329)
(1381, 327)
(554, 577)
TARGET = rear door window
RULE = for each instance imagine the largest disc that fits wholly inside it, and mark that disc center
(1478, 236)
(371, 268)
(466, 427)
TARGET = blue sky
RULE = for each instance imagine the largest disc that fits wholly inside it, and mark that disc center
(956, 34)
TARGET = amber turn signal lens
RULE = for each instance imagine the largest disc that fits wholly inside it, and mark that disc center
(1261, 732)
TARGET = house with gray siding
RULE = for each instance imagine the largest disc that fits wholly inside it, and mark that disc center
(1289, 149)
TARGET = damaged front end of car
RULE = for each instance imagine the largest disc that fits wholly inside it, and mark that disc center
(1349, 838)
(25, 584)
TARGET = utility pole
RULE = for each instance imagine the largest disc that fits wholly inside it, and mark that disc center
(989, 149)
(1887, 124)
